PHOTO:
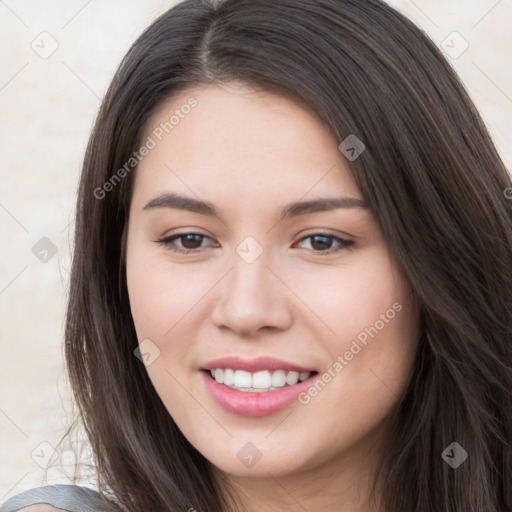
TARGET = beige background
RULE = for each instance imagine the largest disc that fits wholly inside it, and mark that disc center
(47, 107)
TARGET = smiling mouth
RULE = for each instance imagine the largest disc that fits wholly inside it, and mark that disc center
(258, 382)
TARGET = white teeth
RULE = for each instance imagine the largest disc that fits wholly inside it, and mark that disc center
(257, 381)
(229, 377)
(303, 376)
(278, 379)
(243, 379)
(219, 375)
(261, 380)
(292, 378)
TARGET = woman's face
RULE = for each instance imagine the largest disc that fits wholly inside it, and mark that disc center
(303, 293)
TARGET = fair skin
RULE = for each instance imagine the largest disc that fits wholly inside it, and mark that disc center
(250, 154)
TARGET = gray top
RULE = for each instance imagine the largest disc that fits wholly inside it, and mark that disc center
(73, 498)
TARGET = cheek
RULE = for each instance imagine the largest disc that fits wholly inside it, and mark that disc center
(372, 324)
(162, 308)
(349, 298)
(370, 356)
(161, 302)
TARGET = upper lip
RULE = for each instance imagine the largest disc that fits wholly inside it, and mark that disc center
(254, 365)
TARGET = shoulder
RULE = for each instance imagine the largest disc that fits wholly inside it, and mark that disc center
(41, 507)
(56, 498)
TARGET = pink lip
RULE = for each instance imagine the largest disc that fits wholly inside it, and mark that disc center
(254, 365)
(254, 404)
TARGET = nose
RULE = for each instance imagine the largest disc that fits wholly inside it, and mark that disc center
(251, 298)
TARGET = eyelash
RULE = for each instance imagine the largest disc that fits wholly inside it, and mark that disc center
(168, 243)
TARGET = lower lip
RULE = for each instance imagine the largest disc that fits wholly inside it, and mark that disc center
(254, 404)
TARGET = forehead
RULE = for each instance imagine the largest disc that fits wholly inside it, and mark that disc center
(232, 139)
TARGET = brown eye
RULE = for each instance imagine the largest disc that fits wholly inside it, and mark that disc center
(189, 242)
(323, 243)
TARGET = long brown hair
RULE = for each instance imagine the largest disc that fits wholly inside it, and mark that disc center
(435, 183)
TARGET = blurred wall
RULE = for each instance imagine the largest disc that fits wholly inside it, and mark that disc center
(57, 60)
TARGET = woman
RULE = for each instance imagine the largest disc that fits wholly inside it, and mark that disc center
(291, 286)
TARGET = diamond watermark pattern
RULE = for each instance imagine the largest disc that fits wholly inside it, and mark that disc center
(42, 454)
(454, 455)
(352, 147)
(249, 455)
(45, 45)
(44, 250)
(249, 249)
(147, 352)
(454, 45)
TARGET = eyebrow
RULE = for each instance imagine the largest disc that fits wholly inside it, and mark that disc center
(172, 200)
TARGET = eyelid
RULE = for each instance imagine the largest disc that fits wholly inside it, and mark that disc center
(166, 241)
(344, 243)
